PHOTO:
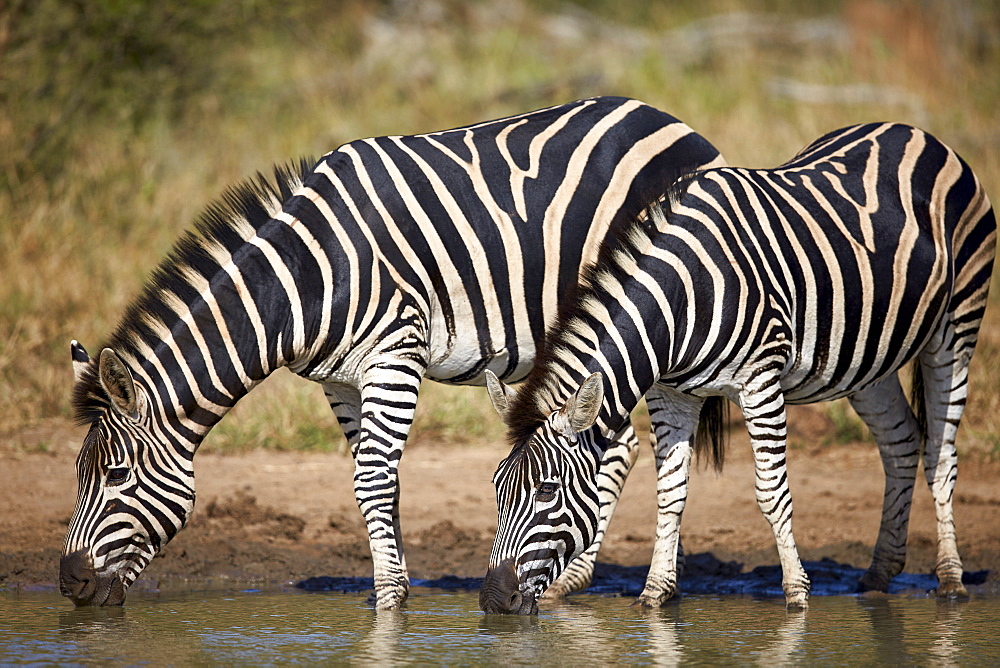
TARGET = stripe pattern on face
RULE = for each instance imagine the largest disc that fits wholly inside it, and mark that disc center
(816, 280)
(548, 477)
(390, 260)
(132, 499)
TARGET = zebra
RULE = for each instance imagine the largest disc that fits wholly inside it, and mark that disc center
(390, 260)
(816, 280)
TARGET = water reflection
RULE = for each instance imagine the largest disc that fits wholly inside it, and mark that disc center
(448, 628)
(947, 622)
(885, 630)
(516, 640)
(903, 632)
(381, 644)
(88, 622)
(114, 634)
(663, 644)
(579, 626)
(591, 629)
(787, 641)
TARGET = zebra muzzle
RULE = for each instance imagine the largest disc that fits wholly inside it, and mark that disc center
(502, 595)
(82, 584)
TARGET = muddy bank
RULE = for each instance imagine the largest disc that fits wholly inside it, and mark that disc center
(281, 518)
(706, 575)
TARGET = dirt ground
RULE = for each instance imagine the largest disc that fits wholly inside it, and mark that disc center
(279, 517)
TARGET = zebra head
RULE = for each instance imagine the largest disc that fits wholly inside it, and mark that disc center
(547, 499)
(131, 499)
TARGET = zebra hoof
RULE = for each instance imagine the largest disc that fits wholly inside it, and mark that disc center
(799, 601)
(951, 588)
(554, 593)
(645, 602)
(652, 601)
(872, 582)
(387, 600)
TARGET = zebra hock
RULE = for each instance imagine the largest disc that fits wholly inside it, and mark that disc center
(366, 272)
(816, 280)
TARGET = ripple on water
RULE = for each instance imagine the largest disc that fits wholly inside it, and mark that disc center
(447, 627)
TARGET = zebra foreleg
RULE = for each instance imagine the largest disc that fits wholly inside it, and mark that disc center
(884, 409)
(615, 467)
(763, 407)
(345, 401)
(674, 418)
(376, 489)
(388, 395)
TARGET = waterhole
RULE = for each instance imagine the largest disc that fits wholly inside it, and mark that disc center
(446, 627)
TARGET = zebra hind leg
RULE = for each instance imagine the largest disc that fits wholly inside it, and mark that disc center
(763, 407)
(945, 379)
(884, 409)
(943, 368)
(615, 467)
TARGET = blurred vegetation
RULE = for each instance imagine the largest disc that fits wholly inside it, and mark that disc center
(124, 118)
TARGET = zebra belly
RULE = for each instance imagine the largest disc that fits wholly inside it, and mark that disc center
(465, 363)
(459, 353)
(817, 391)
(824, 375)
(803, 384)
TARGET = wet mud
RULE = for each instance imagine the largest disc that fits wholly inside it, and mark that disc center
(277, 519)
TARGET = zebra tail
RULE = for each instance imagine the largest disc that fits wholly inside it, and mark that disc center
(918, 401)
(710, 439)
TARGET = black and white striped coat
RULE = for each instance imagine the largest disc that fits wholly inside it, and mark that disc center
(815, 280)
(391, 260)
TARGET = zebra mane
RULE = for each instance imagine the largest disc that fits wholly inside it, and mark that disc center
(615, 262)
(630, 231)
(226, 224)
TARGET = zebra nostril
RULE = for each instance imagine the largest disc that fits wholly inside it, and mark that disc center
(75, 575)
(515, 602)
(71, 587)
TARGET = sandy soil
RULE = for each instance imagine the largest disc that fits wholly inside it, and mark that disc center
(279, 517)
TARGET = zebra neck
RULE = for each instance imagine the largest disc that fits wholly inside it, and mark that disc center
(597, 337)
(562, 378)
(250, 289)
(198, 347)
(188, 394)
(615, 328)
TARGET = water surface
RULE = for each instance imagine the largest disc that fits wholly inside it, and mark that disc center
(447, 627)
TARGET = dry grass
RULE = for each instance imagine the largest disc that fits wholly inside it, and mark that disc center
(79, 233)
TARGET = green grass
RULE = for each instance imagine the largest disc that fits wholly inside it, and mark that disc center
(284, 412)
(848, 427)
(121, 122)
(288, 413)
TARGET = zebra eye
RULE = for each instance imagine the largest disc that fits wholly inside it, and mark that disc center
(547, 490)
(117, 475)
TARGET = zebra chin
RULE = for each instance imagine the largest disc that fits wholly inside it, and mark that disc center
(85, 586)
(502, 593)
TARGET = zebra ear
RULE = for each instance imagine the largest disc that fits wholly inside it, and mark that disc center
(81, 360)
(117, 381)
(580, 412)
(500, 394)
